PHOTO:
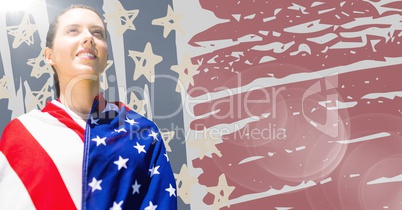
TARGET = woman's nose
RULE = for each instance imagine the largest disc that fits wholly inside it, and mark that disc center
(88, 39)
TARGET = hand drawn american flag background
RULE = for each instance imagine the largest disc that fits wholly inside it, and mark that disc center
(262, 104)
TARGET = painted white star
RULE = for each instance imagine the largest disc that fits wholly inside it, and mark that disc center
(103, 81)
(99, 140)
(136, 187)
(23, 32)
(169, 22)
(130, 121)
(95, 184)
(38, 98)
(121, 163)
(116, 206)
(171, 190)
(186, 70)
(145, 63)
(118, 16)
(4, 90)
(167, 157)
(154, 170)
(151, 206)
(94, 121)
(154, 135)
(140, 148)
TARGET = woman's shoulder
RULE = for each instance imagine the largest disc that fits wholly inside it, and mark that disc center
(14, 124)
(12, 130)
(17, 125)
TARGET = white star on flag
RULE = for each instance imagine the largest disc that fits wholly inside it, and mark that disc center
(94, 121)
(130, 121)
(116, 206)
(140, 148)
(136, 187)
(121, 163)
(154, 135)
(95, 184)
(151, 206)
(167, 157)
(99, 140)
(154, 170)
(119, 130)
(171, 190)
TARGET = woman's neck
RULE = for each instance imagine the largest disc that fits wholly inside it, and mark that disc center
(79, 95)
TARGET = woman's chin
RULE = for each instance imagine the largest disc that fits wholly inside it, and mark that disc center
(89, 69)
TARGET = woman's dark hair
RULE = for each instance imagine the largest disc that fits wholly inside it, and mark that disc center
(51, 33)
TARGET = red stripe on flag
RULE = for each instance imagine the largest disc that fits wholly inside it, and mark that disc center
(64, 118)
(35, 168)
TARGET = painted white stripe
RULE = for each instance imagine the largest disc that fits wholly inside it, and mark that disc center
(15, 103)
(388, 95)
(116, 39)
(250, 159)
(384, 180)
(354, 175)
(272, 192)
(365, 138)
(268, 82)
(329, 179)
(63, 145)
(13, 194)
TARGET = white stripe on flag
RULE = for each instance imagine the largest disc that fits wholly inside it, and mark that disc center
(13, 188)
(63, 145)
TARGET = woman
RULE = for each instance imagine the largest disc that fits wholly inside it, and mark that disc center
(80, 151)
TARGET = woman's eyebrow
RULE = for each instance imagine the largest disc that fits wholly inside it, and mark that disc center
(71, 25)
(97, 27)
(77, 25)
(74, 25)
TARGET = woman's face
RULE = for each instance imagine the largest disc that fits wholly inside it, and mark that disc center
(79, 46)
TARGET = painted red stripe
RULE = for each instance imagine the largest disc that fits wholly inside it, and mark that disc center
(35, 168)
(64, 118)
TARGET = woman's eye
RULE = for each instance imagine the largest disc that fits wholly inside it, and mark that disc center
(72, 30)
(98, 33)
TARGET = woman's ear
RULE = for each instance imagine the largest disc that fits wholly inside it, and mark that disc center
(48, 56)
